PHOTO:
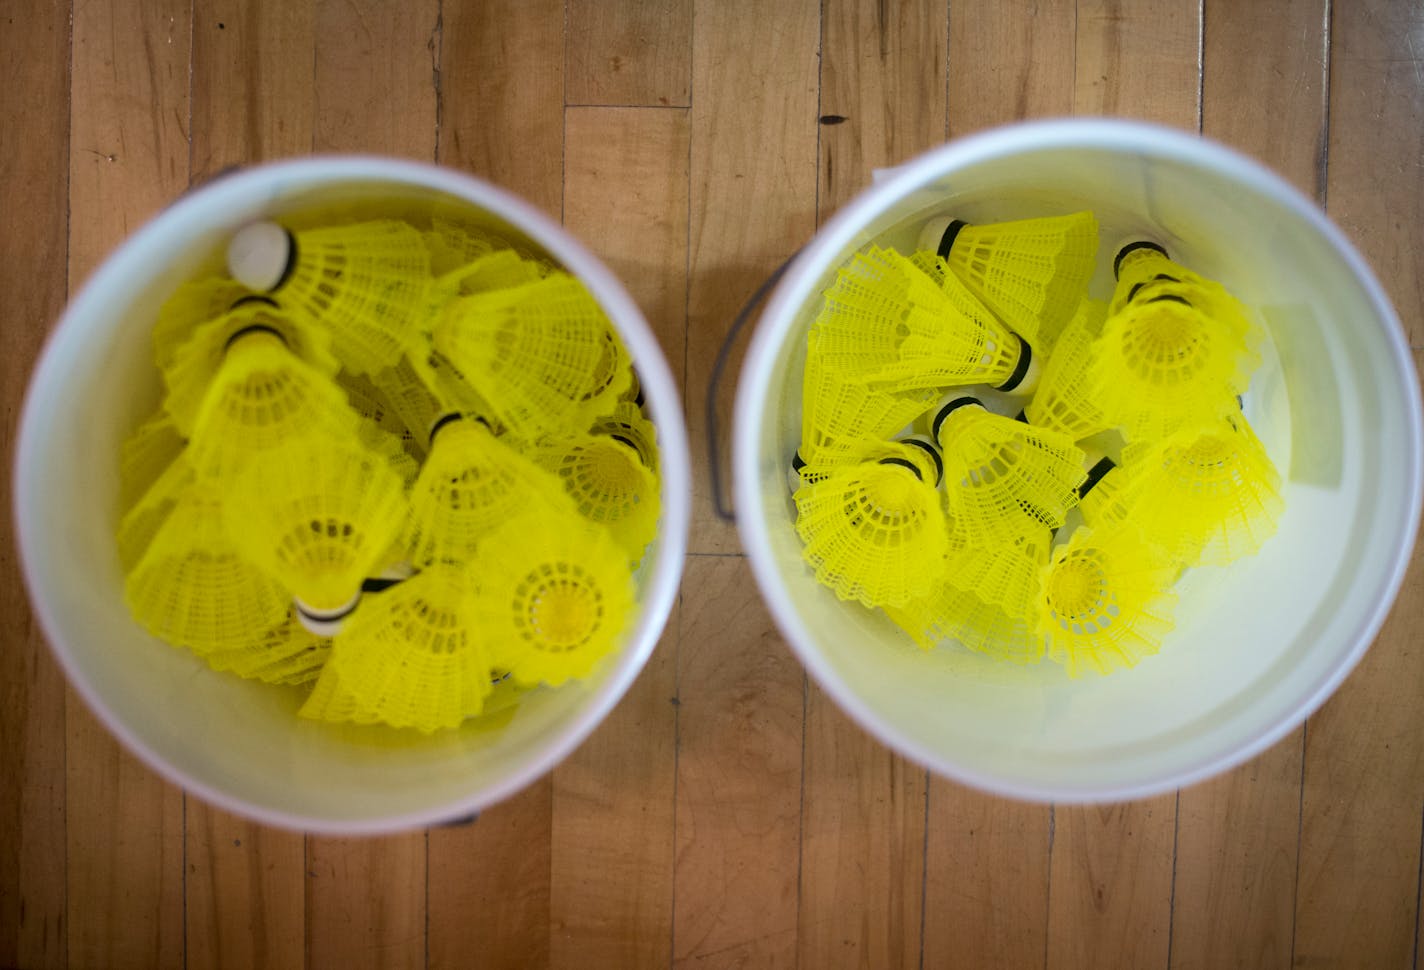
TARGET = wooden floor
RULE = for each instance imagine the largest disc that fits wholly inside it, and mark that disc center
(726, 815)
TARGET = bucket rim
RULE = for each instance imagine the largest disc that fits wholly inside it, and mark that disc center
(837, 234)
(137, 255)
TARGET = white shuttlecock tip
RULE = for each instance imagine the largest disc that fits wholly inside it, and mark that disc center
(325, 623)
(932, 235)
(258, 254)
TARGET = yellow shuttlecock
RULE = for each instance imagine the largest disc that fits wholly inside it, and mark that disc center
(875, 531)
(370, 405)
(194, 588)
(366, 283)
(839, 416)
(539, 354)
(1162, 364)
(285, 654)
(1003, 478)
(1145, 272)
(1031, 272)
(555, 596)
(1063, 402)
(498, 269)
(412, 656)
(145, 455)
(886, 322)
(628, 424)
(317, 515)
(263, 397)
(190, 306)
(1106, 601)
(195, 364)
(1208, 495)
(142, 520)
(609, 485)
(471, 483)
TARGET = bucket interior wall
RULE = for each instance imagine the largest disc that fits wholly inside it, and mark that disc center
(1256, 643)
(236, 739)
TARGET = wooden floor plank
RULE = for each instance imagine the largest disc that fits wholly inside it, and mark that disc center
(252, 101)
(501, 117)
(613, 812)
(128, 119)
(1111, 877)
(252, 82)
(246, 904)
(34, 65)
(1110, 890)
(1139, 59)
(366, 898)
(987, 859)
(753, 199)
(1238, 835)
(502, 95)
(1009, 61)
(1357, 899)
(365, 902)
(375, 77)
(489, 886)
(738, 776)
(863, 815)
(986, 879)
(630, 52)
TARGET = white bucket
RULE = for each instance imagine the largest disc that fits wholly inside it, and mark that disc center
(237, 743)
(1258, 645)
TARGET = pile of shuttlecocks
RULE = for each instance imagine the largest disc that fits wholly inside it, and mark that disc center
(406, 467)
(1055, 525)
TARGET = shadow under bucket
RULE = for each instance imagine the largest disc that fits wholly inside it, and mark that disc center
(1259, 644)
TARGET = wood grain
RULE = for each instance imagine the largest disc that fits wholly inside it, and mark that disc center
(365, 902)
(613, 809)
(1358, 893)
(34, 192)
(753, 195)
(629, 52)
(252, 82)
(1238, 835)
(488, 886)
(365, 898)
(1139, 59)
(738, 776)
(502, 95)
(129, 158)
(1110, 895)
(863, 814)
(986, 879)
(626, 188)
(1009, 61)
(244, 892)
(882, 91)
(375, 77)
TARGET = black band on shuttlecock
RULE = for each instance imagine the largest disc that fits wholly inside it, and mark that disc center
(291, 266)
(930, 450)
(951, 233)
(379, 584)
(1020, 369)
(904, 463)
(251, 298)
(450, 418)
(624, 440)
(328, 616)
(1133, 247)
(251, 329)
(1022, 416)
(797, 463)
(947, 410)
(1095, 475)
